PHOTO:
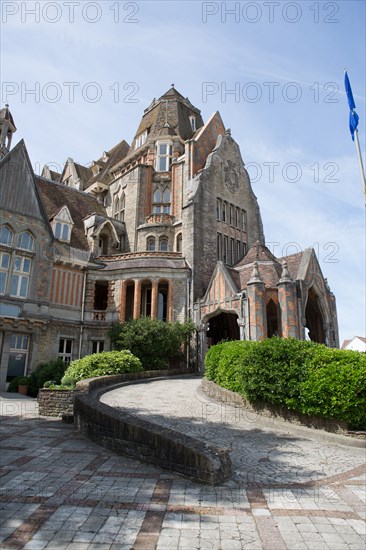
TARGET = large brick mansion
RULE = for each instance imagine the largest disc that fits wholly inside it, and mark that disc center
(168, 227)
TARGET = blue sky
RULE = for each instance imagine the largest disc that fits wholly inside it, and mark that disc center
(283, 63)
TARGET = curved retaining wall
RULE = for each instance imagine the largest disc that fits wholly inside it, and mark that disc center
(142, 439)
(218, 393)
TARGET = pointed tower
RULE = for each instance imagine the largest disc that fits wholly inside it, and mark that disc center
(287, 302)
(7, 129)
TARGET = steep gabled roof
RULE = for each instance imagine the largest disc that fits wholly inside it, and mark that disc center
(55, 195)
(115, 155)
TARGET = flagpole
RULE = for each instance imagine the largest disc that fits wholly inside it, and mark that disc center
(359, 156)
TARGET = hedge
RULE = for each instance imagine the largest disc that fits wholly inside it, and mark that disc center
(300, 375)
(101, 364)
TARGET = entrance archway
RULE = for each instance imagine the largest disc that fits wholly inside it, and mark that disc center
(223, 326)
(314, 318)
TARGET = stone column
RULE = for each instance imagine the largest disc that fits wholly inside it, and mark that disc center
(241, 324)
(170, 302)
(154, 299)
(287, 303)
(122, 303)
(137, 299)
(257, 306)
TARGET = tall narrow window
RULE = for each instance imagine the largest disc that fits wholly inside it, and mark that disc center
(232, 221)
(17, 363)
(4, 270)
(65, 350)
(224, 211)
(163, 244)
(179, 242)
(151, 244)
(20, 277)
(163, 158)
(119, 208)
(192, 120)
(218, 209)
(226, 249)
(232, 251)
(163, 302)
(101, 295)
(219, 246)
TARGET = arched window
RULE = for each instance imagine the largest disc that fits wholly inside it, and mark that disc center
(25, 241)
(161, 201)
(6, 236)
(166, 195)
(163, 244)
(157, 197)
(151, 244)
(179, 242)
(119, 208)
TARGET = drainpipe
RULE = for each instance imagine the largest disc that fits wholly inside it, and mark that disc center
(82, 315)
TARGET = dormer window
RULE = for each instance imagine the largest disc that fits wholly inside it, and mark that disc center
(62, 225)
(192, 120)
(140, 140)
(62, 231)
(163, 157)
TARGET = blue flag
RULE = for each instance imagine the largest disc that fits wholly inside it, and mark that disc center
(353, 116)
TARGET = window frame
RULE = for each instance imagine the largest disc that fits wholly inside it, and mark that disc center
(20, 275)
(65, 356)
(10, 234)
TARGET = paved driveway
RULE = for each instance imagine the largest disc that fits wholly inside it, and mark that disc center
(291, 490)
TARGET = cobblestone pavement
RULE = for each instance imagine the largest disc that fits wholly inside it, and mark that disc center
(60, 491)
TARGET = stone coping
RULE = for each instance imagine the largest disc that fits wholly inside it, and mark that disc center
(142, 439)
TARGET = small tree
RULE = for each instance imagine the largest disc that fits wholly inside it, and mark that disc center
(152, 341)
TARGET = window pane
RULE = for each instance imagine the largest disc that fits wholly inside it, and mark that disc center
(25, 343)
(26, 265)
(166, 196)
(17, 263)
(14, 285)
(163, 149)
(13, 341)
(164, 245)
(163, 164)
(166, 209)
(58, 230)
(68, 346)
(2, 282)
(6, 236)
(16, 365)
(65, 232)
(23, 287)
(61, 345)
(5, 258)
(157, 196)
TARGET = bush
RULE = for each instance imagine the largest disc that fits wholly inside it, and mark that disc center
(336, 386)
(232, 364)
(274, 370)
(68, 381)
(302, 376)
(151, 340)
(101, 364)
(52, 370)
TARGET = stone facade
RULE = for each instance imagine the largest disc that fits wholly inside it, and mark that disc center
(168, 227)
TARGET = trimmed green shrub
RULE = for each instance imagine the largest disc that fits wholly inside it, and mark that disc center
(227, 363)
(101, 364)
(52, 370)
(336, 386)
(300, 375)
(212, 359)
(274, 370)
(152, 341)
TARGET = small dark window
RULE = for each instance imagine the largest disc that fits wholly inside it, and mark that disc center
(101, 295)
